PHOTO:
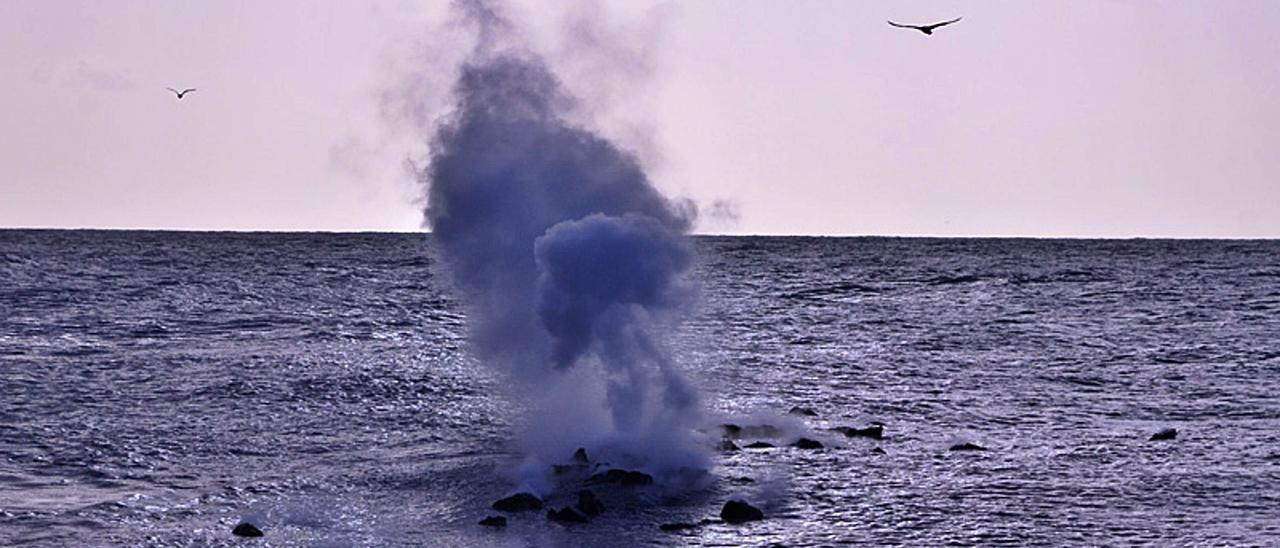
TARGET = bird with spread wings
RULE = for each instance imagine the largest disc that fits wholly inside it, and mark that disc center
(181, 93)
(927, 29)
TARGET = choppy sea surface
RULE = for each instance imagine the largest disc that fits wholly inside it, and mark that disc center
(157, 388)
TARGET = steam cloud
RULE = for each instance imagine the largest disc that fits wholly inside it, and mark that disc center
(572, 265)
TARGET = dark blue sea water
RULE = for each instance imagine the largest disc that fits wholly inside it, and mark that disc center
(158, 388)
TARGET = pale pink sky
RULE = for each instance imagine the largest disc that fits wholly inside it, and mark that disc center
(1046, 118)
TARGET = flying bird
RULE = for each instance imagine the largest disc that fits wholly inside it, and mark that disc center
(927, 29)
(181, 93)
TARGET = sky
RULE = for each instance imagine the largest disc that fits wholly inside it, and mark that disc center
(1049, 118)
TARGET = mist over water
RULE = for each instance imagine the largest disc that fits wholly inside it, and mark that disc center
(572, 266)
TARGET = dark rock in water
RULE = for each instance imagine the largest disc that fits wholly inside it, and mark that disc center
(683, 526)
(759, 445)
(625, 478)
(1164, 435)
(761, 431)
(802, 411)
(494, 521)
(736, 511)
(518, 502)
(588, 503)
(246, 529)
(966, 446)
(734, 431)
(875, 431)
(806, 443)
(566, 515)
(877, 451)
(580, 456)
(728, 445)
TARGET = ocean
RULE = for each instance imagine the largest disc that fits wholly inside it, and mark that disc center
(158, 388)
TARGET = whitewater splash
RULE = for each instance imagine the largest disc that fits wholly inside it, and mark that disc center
(572, 265)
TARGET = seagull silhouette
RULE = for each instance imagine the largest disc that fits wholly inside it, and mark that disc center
(927, 29)
(181, 93)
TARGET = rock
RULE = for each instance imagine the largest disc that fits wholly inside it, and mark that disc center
(246, 529)
(759, 445)
(728, 445)
(580, 456)
(626, 478)
(806, 443)
(875, 431)
(1164, 435)
(519, 502)
(494, 521)
(566, 515)
(761, 431)
(736, 511)
(680, 526)
(967, 446)
(734, 431)
(802, 411)
(877, 451)
(589, 504)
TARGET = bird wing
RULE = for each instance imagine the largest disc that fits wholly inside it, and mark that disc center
(944, 23)
(903, 26)
(173, 90)
(188, 89)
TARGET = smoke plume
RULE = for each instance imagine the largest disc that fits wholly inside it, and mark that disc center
(572, 265)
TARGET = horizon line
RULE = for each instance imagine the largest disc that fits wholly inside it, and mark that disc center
(706, 234)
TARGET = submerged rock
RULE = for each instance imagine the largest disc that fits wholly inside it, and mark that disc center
(246, 529)
(589, 504)
(877, 451)
(680, 526)
(625, 478)
(759, 445)
(577, 463)
(1164, 435)
(566, 515)
(494, 521)
(802, 411)
(727, 445)
(806, 443)
(519, 502)
(967, 446)
(875, 431)
(761, 431)
(737, 511)
(734, 431)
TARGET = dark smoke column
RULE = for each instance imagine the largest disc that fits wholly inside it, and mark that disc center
(571, 263)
